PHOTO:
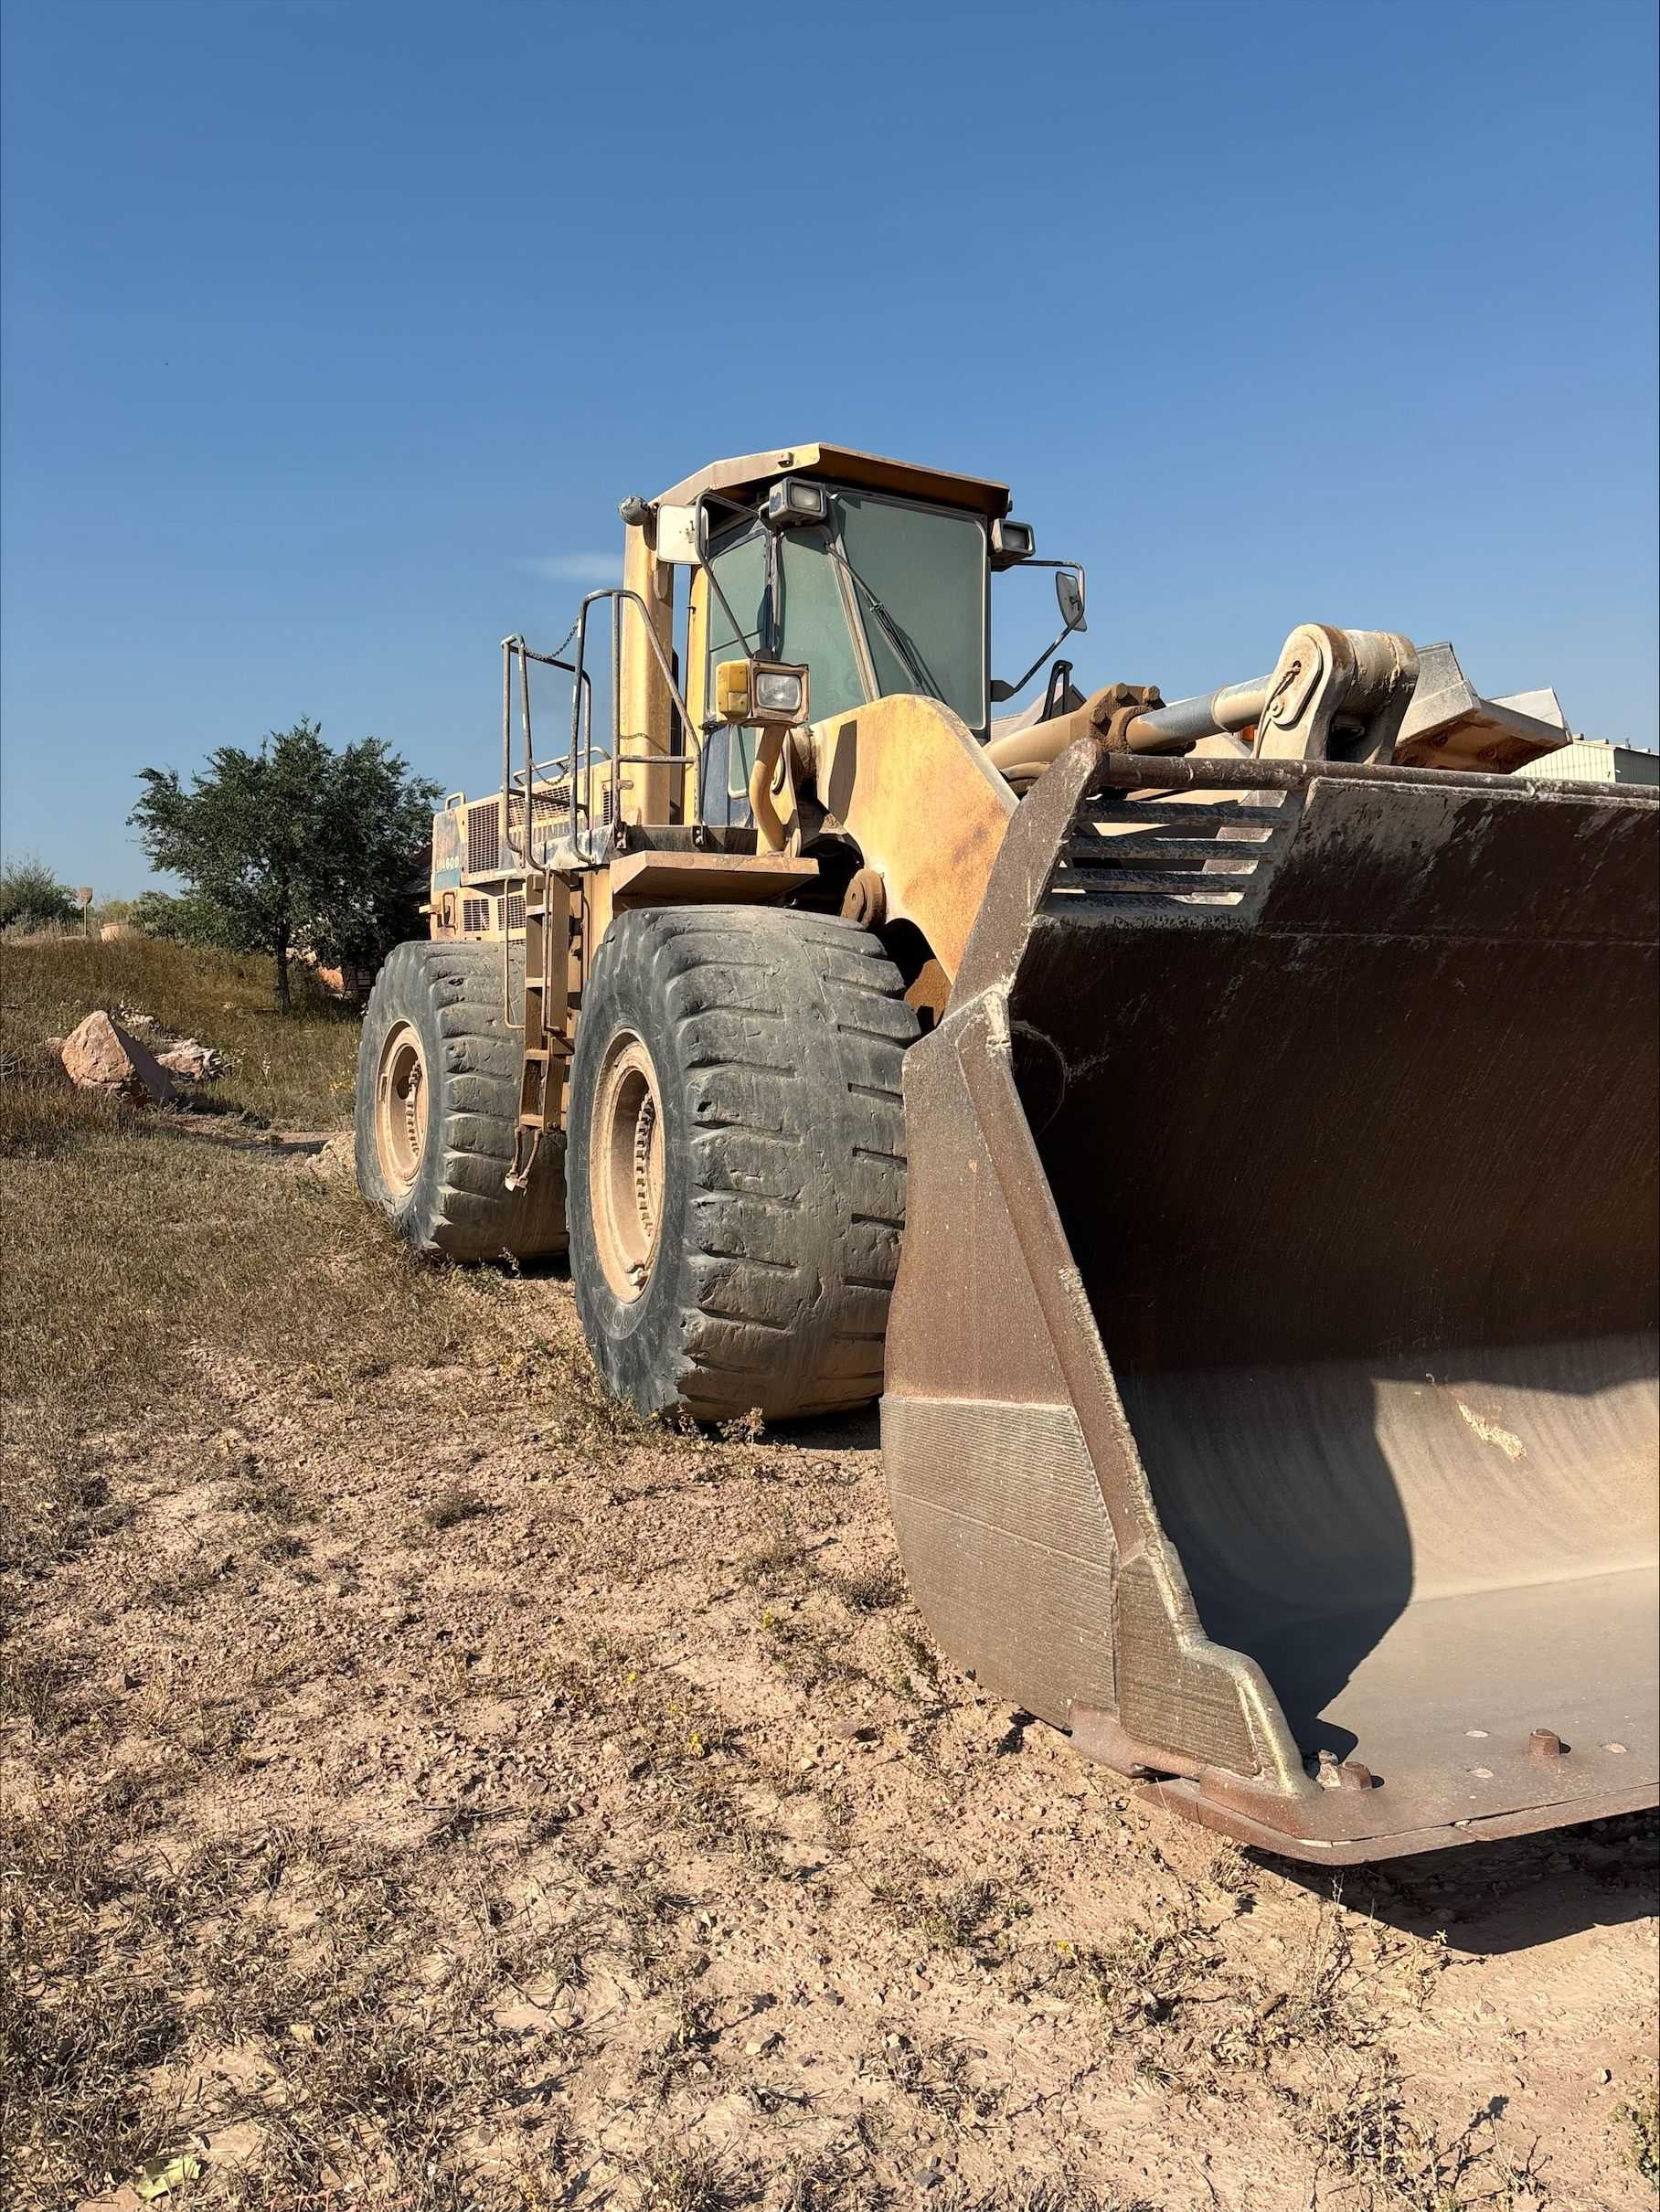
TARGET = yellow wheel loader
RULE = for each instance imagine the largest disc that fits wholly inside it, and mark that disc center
(1261, 1087)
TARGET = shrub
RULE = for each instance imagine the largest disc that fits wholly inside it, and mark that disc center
(31, 898)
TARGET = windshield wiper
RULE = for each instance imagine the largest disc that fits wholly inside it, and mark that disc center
(915, 665)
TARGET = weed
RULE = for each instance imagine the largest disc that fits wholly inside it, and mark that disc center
(936, 2073)
(687, 2178)
(648, 1912)
(1145, 1977)
(1231, 1872)
(1640, 2124)
(805, 1651)
(946, 1920)
(1387, 2161)
(772, 1563)
(915, 1667)
(33, 1683)
(256, 1491)
(871, 1591)
(689, 2033)
(451, 1507)
(1024, 2194)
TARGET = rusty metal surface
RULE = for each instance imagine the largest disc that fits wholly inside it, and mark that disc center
(1245, 1128)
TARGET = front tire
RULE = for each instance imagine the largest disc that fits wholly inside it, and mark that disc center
(436, 1105)
(735, 1167)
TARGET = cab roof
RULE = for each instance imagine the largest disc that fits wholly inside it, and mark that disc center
(748, 476)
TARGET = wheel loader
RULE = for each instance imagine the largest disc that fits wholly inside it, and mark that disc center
(1222, 1134)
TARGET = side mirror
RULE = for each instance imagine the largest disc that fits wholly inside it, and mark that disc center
(678, 537)
(1069, 598)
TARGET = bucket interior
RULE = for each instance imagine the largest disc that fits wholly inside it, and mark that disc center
(1359, 1172)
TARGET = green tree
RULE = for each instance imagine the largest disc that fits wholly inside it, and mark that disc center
(297, 844)
(31, 898)
(190, 917)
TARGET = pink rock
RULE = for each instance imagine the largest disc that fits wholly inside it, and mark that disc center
(99, 1056)
(196, 1063)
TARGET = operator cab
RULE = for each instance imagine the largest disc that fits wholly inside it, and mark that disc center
(872, 575)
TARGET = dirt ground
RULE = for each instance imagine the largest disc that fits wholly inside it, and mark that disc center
(422, 1784)
(425, 1785)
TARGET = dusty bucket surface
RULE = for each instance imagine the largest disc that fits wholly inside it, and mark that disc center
(1293, 1436)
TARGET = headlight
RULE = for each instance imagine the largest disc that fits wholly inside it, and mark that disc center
(753, 692)
(777, 693)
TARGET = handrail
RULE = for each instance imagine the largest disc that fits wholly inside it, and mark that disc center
(577, 760)
(617, 593)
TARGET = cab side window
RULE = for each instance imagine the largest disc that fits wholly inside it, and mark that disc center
(729, 754)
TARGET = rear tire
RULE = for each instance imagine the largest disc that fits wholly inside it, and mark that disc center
(437, 1102)
(737, 1160)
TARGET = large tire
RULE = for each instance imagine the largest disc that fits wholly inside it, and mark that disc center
(438, 1073)
(769, 1169)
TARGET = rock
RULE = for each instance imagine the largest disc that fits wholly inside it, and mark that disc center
(111, 930)
(336, 1161)
(194, 1063)
(99, 1056)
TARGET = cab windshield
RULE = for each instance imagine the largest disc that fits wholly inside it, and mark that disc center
(883, 597)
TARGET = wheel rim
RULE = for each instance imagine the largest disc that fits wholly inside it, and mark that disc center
(625, 1165)
(401, 1100)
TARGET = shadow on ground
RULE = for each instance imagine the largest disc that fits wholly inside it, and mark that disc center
(1490, 1899)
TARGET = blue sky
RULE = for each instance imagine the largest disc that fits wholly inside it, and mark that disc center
(334, 334)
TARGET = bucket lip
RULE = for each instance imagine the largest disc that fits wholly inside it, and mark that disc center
(1316, 1836)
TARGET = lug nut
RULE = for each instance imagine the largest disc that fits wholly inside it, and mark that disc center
(1352, 1775)
(1545, 1744)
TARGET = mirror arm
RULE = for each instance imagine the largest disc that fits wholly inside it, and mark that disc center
(1076, 568)
(1016, 689)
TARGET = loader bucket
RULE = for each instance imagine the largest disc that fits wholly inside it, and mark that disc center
(1271, 1372)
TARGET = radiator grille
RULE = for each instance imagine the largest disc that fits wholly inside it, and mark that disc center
(1151, 854)
(483, 836)
(475, 913)
(515, 910)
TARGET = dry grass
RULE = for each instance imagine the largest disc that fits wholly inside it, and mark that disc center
(1383, 2156)
(140, 1252)
(294, 1071)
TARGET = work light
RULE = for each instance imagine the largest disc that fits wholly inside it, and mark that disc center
(1012, 542)
(796, 502)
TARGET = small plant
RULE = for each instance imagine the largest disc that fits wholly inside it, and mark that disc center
(871, 1591)
(451, 1507)
(955, 1919)
(1641, 2124)
(687, 2178)
(689, 2033)
(936, 2073)
(915, 1667)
